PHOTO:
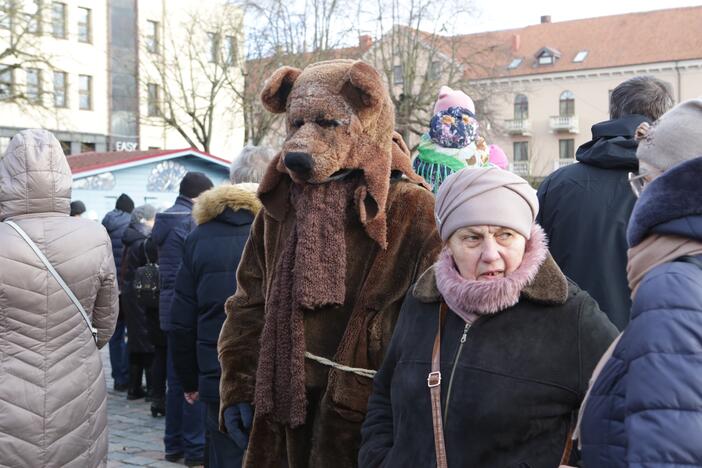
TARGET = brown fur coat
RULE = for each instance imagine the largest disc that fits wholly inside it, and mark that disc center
(390, 238)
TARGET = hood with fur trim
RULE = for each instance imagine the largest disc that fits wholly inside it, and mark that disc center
(670, 205)
(213, 202)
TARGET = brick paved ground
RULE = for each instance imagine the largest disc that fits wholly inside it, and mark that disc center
(136, 438)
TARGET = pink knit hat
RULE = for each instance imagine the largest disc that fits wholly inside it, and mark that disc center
(450, 98)
(498, 157)
(485, 196)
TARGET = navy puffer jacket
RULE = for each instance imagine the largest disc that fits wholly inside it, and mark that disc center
(116, 222)
(171, 228)
(206, 279)
(645, 409)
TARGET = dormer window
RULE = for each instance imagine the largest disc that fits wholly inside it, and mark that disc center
(547, 56)
(580, 56)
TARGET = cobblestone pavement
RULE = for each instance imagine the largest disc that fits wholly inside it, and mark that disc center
(136, 438)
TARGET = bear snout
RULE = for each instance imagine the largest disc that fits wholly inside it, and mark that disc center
(300, 163)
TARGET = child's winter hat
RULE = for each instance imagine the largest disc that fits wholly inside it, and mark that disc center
(498, 157)
(453, 98)
(453, 128)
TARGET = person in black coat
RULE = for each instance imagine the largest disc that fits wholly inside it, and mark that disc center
(116, 222)
(585, 207)
(139, 345)
(517, 342)
(206, 279)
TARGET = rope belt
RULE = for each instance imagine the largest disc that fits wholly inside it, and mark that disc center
(355, 370)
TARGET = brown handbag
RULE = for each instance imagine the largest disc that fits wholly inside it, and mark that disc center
(434, 384)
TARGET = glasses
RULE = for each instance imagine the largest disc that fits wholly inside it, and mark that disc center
(637, 180)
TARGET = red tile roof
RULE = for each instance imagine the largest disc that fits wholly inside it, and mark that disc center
(611, 41)
(85, 162)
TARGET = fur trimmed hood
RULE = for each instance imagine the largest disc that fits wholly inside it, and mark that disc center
(213, 202)
(670, 205)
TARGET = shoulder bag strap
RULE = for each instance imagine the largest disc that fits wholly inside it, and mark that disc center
(434, 383)
(56, 276)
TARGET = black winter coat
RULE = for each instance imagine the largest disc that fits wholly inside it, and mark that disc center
(206, 279)
(516, 382)
(585, 208)
(134, 239)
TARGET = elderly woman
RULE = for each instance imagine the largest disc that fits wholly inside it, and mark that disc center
(492, 352)
(645, 408)
(53, 398)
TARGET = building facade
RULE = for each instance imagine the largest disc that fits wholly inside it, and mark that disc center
(539, 89)
(91, 81)
(151, 176)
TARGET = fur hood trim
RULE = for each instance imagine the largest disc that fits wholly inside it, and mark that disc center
(548, 286)
(213, 202)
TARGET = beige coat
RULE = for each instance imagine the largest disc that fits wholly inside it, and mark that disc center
(53, 405)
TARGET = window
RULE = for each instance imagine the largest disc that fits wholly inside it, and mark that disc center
(84, 28)
(153, 101)
(33, 85)
(397, 74)
(60, 89)
(152, 36)
(85, 92)
(566, 104)
(213, 41)
(515, 63)
(65, 147)
(58, 20)
(230, 50)
(87, 147)
(580, 56)
(545, 59)
(33, 17)
(6, 83)
(566, 149)
(5, 14)
(521, 107)
(521, 151)
(435, 70)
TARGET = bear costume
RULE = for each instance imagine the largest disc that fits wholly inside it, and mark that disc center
(346, 228)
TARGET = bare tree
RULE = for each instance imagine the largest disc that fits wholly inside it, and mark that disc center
(197, 70)
(416, 57)
(22, 22)
(285, 33)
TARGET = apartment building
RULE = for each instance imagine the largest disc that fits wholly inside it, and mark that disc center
(552, 80)
(90, 77)
(539, 89)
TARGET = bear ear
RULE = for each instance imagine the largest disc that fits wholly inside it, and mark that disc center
(363, 87)
(277, 89)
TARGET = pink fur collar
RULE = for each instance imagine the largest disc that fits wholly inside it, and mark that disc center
(471, 298)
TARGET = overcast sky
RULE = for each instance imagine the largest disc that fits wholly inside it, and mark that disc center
(507, 14)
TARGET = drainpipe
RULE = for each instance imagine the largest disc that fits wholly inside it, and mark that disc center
(677, 73)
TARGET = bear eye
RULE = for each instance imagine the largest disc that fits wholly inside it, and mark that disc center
(327, 123)
(297, 123)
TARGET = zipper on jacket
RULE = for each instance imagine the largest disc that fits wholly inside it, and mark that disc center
(464, 337)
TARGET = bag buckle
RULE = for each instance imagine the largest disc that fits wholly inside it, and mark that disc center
(434, 379)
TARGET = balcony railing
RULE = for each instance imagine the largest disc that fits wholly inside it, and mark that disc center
(518, 126)
(562, 162)
(521, 168)
(564, 123)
